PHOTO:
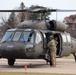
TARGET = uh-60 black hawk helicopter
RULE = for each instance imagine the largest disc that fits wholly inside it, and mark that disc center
(29, 40)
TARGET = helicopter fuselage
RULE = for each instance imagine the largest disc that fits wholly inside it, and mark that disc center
(24, 43)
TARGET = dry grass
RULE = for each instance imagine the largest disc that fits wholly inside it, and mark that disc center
(22, 73)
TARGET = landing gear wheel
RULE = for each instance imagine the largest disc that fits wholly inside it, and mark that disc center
(75, 58)
(11, 62)
(74, 54)
(47, 61)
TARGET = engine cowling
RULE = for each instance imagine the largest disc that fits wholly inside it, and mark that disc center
(57, 26)
(44, 25)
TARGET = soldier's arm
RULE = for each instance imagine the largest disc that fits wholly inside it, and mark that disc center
(48, 45)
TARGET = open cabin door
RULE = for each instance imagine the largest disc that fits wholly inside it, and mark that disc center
(66, 44)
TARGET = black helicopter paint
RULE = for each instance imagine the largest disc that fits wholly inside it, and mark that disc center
(29, 40)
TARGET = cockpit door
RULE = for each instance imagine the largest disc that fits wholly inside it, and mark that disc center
(38, 44)
(66, 44)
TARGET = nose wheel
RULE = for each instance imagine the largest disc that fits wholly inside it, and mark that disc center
(11, 62)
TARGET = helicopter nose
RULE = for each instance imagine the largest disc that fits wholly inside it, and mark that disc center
(14, 50)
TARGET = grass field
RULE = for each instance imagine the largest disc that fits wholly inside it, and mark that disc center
(69, 57)
(22, 73)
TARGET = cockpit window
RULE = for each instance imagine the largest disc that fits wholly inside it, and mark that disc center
(16, 36)
(24, 36)
(8, 36)
(27, 36)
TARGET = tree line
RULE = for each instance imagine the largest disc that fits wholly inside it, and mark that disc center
(16, 17)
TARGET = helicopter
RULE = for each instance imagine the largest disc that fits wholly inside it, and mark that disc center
(29, 40)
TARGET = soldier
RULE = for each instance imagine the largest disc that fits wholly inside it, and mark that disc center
(52, 47)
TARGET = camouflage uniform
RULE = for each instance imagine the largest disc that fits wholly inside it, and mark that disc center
(52, 47)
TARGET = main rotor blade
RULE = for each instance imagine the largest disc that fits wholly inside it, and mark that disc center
(39, 11)
(32, 11)
(13, 10)
(65, 10)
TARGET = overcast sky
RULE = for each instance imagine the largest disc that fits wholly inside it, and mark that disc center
(55, 4)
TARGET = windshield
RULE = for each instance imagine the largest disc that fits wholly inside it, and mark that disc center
(19, 36)
(27, 36)
(16, 36)
(8, 36)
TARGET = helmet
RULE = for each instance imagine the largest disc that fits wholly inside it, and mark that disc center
(50, 37)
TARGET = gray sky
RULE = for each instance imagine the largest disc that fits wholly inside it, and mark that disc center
(55, 4)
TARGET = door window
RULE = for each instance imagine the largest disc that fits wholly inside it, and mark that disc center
(32, 38)
(64, 38)
(69, 39)
(38, 38)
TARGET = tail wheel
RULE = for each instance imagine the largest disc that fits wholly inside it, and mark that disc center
(11, 62)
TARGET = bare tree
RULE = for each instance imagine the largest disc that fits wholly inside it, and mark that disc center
(71, 21)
